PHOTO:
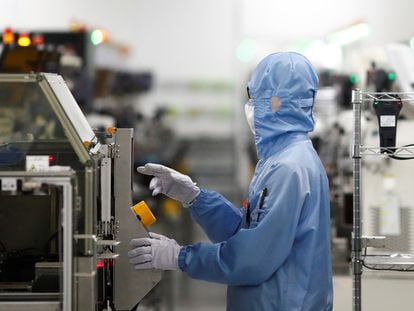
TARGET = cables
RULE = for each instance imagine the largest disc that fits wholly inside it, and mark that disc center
(385, 269)
(391, 266)
(395, 157)
(400, 158)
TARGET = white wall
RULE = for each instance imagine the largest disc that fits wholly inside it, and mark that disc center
(281, 25)
(297, 18)
(197, 38)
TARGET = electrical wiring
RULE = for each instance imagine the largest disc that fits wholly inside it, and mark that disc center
(395, 157)
(370, 267)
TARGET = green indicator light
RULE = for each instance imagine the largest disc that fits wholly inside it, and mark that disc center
(391, 76)
(97, 37)
(246, 50)
(353, 79)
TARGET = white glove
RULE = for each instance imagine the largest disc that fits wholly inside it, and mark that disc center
(157, 252)
(170, 182)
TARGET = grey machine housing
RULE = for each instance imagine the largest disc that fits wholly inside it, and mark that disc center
(79, 207)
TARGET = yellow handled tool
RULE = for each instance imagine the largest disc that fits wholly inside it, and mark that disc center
(143, 213)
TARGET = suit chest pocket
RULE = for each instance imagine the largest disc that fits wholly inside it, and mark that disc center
(259, 213)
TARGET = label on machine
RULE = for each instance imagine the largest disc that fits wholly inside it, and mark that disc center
(387, 121)
(37, 163)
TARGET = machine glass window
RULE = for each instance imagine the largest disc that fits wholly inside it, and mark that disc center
(27, 122)
(25, 114)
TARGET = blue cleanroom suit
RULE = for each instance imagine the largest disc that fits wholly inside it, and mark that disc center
(274, 254)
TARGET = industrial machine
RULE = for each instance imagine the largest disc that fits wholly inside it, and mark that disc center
(65, 204)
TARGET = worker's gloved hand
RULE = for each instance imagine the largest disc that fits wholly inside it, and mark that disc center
(157, 252)
(170, 182)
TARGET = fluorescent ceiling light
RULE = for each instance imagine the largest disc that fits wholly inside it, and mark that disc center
(349, 35)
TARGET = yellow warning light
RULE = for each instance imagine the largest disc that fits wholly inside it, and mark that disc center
(24, 40)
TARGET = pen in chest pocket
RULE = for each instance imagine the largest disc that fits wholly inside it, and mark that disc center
(262, 196)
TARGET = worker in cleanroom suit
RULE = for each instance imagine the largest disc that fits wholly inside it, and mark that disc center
(274, 254)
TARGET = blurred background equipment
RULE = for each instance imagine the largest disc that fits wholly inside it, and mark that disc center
(179, 81)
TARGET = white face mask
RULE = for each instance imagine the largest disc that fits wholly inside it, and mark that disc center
(249, 112)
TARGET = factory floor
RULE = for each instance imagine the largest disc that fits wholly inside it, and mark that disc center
(381, 292)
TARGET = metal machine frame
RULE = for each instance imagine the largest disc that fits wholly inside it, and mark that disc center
(103, 199)
(66, 180)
